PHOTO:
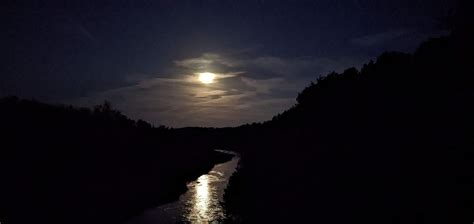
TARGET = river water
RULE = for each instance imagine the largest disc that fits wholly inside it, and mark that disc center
(200, 204)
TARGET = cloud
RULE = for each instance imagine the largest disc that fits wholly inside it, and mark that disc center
(264, 86)
(379, 38)
(308, 67)
(86, 33)
(183, 103)
(266, 66)
(247, 89)
(206, 62)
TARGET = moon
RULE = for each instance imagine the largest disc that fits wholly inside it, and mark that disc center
(206, 77)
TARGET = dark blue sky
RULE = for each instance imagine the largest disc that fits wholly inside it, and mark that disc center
(143, 56)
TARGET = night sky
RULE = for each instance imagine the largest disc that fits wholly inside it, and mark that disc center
(143, 56)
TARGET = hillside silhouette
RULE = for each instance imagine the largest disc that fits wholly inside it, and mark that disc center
(61, 164)
(391, 143)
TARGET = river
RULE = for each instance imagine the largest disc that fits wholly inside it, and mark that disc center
(200, 204)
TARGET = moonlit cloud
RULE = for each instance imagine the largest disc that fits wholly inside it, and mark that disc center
(386, 39)
(378, 38)
(145, 58)
(246, 89)
(188, 104)
(264, 86)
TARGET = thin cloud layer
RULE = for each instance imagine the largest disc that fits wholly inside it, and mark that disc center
(246, 89)
(61, 53)
(379, 38)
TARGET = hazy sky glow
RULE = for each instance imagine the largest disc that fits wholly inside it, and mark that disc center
(144, 57)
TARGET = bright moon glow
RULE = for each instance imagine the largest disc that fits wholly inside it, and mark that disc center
(207, 77)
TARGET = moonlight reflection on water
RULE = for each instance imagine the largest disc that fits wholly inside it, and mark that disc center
(206, 193)
(200, 204)
(201, 197)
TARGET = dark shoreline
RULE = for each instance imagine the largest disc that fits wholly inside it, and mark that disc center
(62, 164)
(217, 158)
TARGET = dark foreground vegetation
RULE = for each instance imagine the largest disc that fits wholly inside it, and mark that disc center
(62, 164)
(391, 143)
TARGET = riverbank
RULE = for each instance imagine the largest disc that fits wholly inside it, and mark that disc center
(356, 149)
(217, 157)
(201, 203)
(61, 164)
